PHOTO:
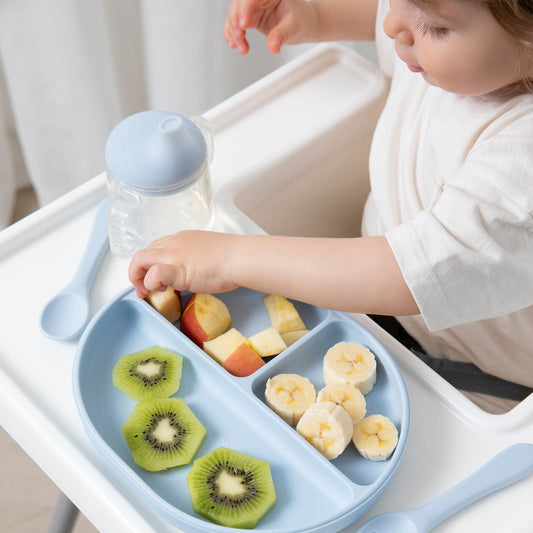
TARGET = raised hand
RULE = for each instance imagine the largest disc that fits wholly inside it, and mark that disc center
(282, 21)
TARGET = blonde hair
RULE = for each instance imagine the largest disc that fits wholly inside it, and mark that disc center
(516, 16)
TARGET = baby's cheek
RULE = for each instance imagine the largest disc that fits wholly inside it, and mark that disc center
(452, 76)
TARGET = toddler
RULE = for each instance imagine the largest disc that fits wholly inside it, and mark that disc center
(447, 245)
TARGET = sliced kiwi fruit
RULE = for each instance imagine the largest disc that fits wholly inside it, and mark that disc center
(231, 488)
(162, 433)
(154, 372)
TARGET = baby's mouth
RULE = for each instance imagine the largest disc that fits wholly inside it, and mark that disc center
(412, 68)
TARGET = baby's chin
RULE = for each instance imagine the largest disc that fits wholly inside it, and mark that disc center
(448, 87)
(508, 91)
(430, 80)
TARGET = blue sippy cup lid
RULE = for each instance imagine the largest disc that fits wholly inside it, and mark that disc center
(155, 151)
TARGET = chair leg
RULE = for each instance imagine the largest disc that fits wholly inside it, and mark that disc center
(64, 517)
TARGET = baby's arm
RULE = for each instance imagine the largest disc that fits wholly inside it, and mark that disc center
(354, 275)
(300, 21)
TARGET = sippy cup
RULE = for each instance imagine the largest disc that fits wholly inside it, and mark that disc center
(158, 182)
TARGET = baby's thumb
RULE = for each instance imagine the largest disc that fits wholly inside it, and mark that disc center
(159, 276)
(278, 36)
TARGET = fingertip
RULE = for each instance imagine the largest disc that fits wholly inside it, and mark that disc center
(228, 35)
(231, 43)
(140, 290)
(274, 43)
(158, 276)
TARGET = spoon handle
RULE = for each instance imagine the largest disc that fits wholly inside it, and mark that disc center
(507, 467)
(97, 246)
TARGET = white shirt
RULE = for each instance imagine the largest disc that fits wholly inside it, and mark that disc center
(452, 190)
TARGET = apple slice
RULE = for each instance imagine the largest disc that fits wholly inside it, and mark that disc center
(167, 302)
(221, 347)
(205, 317)
(283, 315)
(292, 336)
(233, 352)
(267, 342)
(243, 361)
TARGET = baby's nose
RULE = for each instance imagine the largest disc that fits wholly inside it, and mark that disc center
(396, 24)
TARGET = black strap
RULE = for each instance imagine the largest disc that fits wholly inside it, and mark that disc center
(468, 377)
(463, 376)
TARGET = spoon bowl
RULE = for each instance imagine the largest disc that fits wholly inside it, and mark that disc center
(397, 522)
(65, 316)
(507, 467)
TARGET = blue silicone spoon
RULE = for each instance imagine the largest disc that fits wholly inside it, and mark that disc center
(507, 467)
(65, 316)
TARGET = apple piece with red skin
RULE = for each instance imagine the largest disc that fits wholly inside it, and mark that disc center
(243, 361)
(167, 303)
(232, 350)
(204, 318)
(221, 347)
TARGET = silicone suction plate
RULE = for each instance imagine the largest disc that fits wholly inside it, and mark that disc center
(313, 494)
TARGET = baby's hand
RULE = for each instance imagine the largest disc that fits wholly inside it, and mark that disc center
(197, 261)
(282, 21)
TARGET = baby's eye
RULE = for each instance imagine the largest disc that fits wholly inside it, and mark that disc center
(433, 31)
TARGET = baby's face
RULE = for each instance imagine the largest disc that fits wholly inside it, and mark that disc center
(457, 45)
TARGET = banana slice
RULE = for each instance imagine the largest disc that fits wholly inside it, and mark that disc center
(347, 396)
(375, 437)
(328, 427)
(349, 362)
(289, 395)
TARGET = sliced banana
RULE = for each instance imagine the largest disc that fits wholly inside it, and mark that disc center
(375, 437)
(350, 362)
(289, 395)
(347, 396)
(328, 427)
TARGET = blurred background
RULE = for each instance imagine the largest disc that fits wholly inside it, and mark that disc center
(71, 69)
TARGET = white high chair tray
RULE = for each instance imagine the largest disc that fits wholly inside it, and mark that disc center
(326, 101)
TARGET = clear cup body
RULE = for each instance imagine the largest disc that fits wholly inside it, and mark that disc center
(136, 217)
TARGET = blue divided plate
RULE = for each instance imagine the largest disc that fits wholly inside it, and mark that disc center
(313, 494)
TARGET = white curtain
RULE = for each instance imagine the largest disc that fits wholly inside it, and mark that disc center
(71, 69)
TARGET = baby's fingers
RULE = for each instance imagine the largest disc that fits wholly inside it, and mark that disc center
(236, 38)
(138, 268)
(229, 34)
(243, 12)
(161, 275)
(243, 15)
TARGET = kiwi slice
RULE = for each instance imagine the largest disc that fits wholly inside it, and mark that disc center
(154, 372)
(231, 488)
(162, 433)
